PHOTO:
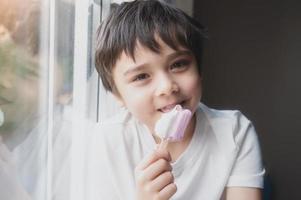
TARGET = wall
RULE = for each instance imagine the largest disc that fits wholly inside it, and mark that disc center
(186, 5)
(253, 63)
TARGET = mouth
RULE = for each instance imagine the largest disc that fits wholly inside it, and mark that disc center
(4, 101)
(169, 107)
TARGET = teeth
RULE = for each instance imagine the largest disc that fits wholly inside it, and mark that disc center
(168, 108)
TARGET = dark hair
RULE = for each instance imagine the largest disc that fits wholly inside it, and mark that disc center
(142, 20)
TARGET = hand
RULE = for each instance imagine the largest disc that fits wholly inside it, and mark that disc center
(10, 187)
(154, 179)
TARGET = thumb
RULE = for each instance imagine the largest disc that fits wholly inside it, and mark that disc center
(163, 153)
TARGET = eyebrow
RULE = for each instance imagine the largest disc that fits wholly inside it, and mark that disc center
(179, 53)
(169, 57)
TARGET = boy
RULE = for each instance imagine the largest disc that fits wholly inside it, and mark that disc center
(148, 56)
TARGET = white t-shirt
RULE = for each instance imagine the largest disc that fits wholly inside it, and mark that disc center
(224, 152)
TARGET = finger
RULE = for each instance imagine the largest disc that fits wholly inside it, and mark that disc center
(161, 181)
(154, 156)
(156, 168)
(164, 154)
(168, 191)
(163, 144)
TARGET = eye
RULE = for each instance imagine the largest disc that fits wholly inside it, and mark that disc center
(140, 77)
(180, 65)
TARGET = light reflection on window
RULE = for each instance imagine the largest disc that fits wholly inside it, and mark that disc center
(20, 78)
(19, 70)
(23, 90)
(29, 101)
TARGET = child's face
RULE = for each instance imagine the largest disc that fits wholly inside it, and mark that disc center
(18, 94)
(154, 83)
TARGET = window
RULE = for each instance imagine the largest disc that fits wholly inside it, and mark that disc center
(48, 90)
(22, 84)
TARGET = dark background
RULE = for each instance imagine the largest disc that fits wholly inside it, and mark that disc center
(253, 63)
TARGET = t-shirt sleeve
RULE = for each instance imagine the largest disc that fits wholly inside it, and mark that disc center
(248, 170)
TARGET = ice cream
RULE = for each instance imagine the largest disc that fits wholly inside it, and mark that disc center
(171, 126)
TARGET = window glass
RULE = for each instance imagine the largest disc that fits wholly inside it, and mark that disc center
(19, 69)
(20, 80)
(36, 85)
(61, 98)
(48, 87)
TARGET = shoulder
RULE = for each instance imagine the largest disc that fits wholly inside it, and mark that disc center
(116, 130)
(233, 116)
(114, 123)
(230, 127)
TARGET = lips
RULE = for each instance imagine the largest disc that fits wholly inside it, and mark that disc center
(4, 101)
(169, 107)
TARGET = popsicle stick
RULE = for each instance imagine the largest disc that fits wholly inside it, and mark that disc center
(164, 143)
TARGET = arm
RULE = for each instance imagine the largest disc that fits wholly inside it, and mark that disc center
(242, 193)
(248, 172)
(246, 179)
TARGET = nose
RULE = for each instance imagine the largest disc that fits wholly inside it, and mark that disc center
(166, 85)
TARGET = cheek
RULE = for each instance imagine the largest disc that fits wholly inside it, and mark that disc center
(136, 101)
(193, 85)
(29, 91)
(140, 104)
(194, 91)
